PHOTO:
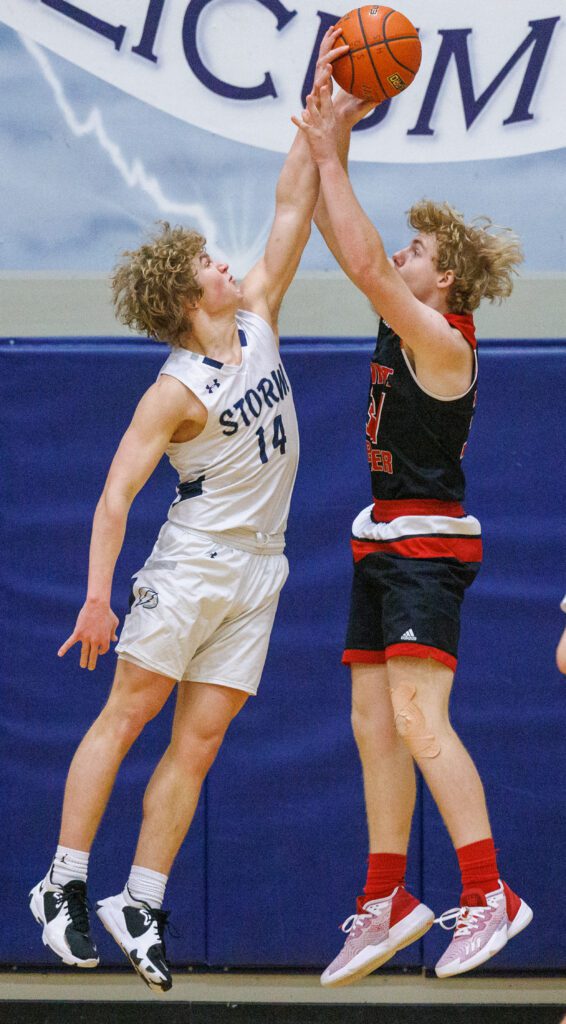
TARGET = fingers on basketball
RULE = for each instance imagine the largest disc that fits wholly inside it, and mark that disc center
(384, 55)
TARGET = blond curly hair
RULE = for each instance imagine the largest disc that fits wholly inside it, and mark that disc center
(483, 263)
(152, 286)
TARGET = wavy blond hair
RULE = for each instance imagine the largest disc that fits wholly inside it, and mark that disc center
(482, 256)
(153, 285)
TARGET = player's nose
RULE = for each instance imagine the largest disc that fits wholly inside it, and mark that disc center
(398, 258)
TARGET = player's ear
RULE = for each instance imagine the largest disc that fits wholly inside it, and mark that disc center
(446, 279)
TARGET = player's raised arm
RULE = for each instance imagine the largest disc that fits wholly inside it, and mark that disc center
(416, 289)
(163, 407)
(295, 198)
(359, 244)
(348, 110)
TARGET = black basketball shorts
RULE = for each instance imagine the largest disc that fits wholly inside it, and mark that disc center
(406, 607)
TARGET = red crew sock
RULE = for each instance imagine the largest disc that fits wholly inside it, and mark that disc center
(478, 864)
(385, 872)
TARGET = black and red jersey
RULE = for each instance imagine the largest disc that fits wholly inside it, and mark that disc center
(416, 440)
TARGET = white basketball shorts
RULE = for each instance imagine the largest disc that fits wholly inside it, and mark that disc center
(203, 611)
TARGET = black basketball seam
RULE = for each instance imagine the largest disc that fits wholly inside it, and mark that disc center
(385, 20)
(369, 54)
(344, 43)
(400, 62)
(394, 40)
(383, 42)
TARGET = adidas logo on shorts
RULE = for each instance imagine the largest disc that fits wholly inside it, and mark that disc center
(408, 635)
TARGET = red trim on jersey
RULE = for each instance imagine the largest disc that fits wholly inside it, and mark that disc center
(464, 549)
(463, 322)
(363, 657)
(384, 510)
(412, 650)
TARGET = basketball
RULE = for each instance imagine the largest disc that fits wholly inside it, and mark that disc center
(384, 54)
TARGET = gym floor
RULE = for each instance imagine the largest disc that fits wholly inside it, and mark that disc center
(117, 997)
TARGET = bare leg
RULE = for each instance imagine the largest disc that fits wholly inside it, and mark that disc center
(136, 697)
(389, 777)
(448, 769)
(204, 712)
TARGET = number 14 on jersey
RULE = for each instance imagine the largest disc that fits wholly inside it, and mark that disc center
(279, 439)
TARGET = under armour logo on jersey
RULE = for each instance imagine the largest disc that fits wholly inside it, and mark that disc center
(214, 554)
(409, 635)
(147, 598)
(210, 387)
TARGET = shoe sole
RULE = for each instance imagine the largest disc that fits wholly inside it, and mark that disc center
(522, 918)
(422, 923)
(112, 927)
(62, 952)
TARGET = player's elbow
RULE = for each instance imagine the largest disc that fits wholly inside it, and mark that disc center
(363, 274)
(116, 500)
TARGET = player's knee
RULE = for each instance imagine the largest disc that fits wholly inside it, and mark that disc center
(126, 722)
(196, 753)
(414, 725)
(373, 734)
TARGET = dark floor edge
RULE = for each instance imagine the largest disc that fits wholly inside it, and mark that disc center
(29, 1012)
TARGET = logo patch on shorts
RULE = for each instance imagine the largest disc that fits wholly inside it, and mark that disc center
(147, 598)
(409, 635)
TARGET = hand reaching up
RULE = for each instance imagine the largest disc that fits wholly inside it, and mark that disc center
(318, 123)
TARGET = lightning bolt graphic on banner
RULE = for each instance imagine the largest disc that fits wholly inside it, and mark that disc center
(134, 174)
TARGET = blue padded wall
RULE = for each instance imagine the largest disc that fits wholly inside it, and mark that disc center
(64, 408)
(277, 850)
(508, 703)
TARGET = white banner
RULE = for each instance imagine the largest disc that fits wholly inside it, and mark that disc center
(492, 81)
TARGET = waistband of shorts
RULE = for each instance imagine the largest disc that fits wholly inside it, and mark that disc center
(385, 511)
(255, 543)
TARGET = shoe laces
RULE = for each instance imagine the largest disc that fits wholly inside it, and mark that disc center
(355, 921)
(78, 905)
(161, 919)
(464, 919)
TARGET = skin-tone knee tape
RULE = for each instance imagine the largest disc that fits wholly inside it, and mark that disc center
(410, 722)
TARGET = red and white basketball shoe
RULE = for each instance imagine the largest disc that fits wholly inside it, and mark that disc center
(378, 930)
(483, 924)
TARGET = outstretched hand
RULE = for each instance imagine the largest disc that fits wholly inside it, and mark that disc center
(347, 108)
(318, 123)
(328, 52)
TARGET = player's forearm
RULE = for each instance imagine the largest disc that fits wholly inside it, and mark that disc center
(361, 250)
(298, 183)
(321, 217)
(108, 531)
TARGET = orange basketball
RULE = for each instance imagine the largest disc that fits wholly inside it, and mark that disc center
(384, 54)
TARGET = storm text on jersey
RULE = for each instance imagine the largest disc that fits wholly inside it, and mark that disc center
(269, 390)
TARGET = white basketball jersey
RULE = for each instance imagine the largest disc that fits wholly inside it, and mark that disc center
(238, 474)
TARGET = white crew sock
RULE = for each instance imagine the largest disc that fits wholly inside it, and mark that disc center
(68, 865)
(145, 886)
